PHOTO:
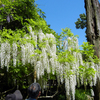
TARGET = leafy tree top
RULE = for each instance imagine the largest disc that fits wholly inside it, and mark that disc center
(18, 14)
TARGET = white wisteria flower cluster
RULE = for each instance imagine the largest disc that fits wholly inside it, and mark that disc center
(47, 60)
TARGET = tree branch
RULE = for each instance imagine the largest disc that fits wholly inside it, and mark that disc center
(6, 91)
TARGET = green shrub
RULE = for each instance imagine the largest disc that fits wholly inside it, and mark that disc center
(80, 94)
(61, 97)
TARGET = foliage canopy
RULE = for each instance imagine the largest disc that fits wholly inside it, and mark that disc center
(81, 22)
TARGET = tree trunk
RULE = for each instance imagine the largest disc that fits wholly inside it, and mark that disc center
(93, 32)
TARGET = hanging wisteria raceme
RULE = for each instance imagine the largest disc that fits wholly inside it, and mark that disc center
(69, 44)
(51, 43)
(67, 85)
(65, 45)
(27, 50)
(48, 67)
(93, 79)
(75, 43)
(58, 72)
(96, 74)
(44, 58)
(61, 73)
(39, 69)
(60, 42)
(2, 54)
(14, 46)
(41, 36)
(23, 54)
(72, 85)
(5, 55)
(80, 59)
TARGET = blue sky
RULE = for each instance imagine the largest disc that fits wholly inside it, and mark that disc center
(63, 13)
